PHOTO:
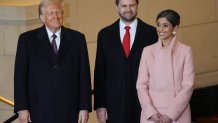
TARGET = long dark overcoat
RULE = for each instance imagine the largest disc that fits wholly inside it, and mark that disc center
(115, 75)
(53, 88)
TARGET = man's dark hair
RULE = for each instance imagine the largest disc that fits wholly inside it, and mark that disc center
(117, 2)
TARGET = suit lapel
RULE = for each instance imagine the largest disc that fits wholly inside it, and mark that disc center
(117, 41)
(65, 43)
(137, 40)
(45, 44)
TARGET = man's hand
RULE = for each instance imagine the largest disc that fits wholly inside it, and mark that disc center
(102, 115)
(24, 116)
(83, 116)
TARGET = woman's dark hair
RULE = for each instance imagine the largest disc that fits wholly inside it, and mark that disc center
(171, 15)
(117, 2)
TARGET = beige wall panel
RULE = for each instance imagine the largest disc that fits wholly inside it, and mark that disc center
(67, 11)
(192, 12)
(70, 15)
(18, 13)
(94, 15)
(32, 26)
(18, 2)
(5, 112)
(2, 38)
(206, 79)
(179, 34)
(90, 19)
(203, 39)
(12, 13)
(11, 33)
(92, 117)
(216, 10)
(143, 12)
(31, 12)
(6, 76)
(92, 54)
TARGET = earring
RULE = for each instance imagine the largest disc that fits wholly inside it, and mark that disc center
(174, 32)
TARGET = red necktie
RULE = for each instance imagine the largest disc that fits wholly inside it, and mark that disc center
(54, 45)
(126, 41)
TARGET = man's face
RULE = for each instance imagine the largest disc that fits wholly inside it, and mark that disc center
(127, 10)
(52, 16)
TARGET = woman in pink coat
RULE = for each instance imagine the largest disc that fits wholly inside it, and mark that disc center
(166, 75)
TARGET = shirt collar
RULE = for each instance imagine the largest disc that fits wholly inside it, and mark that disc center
(132, 25)
(172, 45)
(51, 33)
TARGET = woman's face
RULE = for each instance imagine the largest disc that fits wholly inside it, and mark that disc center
(164, 29)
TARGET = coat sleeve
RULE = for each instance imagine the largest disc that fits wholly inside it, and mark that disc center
(142, 88)
(100, 76)
(85, 80)
(181, 101)
(20, 75)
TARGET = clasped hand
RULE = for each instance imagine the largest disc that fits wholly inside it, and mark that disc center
(158, 118)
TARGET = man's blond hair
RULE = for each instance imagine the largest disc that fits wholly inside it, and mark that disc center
(44, 3)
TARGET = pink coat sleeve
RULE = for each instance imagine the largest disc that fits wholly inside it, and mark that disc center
(142, 87)
(181, 101)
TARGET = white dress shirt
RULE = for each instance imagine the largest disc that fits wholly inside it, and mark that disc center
(132, 31)
(57, 39)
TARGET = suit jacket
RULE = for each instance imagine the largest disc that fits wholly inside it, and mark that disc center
(115, 75)
(165, 81)
(53, 88)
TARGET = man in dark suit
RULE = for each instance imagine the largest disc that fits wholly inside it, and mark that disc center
(52, 74)
(119, 50)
